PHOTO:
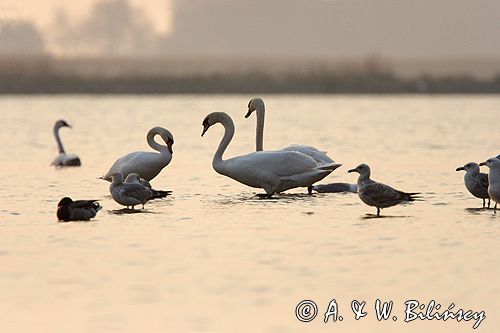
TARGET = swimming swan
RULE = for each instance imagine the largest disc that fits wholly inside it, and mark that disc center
(146, 164)
(257, 105)
(63, 159)
(273, 171)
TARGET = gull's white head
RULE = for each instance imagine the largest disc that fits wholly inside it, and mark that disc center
(469, 167)
(117, 177)
(255, 104)
(132, 177)
(362, 169)
(492, 163)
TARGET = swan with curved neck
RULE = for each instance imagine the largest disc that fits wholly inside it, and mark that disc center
(146, 164)
(273, 171)
(63, 159)
(257, 105)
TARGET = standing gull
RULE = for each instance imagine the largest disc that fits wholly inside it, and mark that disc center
(63, 159)
(476, 182)
(79, 210)
(494, 179)
(136, 179)
(377, 194)
(131, 194)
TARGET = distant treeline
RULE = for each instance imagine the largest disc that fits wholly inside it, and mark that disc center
(48, 76)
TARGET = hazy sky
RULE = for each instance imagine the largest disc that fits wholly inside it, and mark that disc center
(325, 28)
(42, 11)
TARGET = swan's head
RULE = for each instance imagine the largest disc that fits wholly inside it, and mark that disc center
(217, 117)
(362, 169)
(66, 201)
(469, 167)
(255, 104)
(492, 163)
(165, 135)
(61, 123)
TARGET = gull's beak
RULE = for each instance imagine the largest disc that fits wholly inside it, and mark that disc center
(461, 168)
(205, 128)
(249, 113)
(482, 163)
(352, 170)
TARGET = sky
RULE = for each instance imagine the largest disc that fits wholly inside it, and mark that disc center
(292, 28)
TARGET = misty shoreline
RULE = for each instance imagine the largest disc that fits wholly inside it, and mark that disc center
(47, 75)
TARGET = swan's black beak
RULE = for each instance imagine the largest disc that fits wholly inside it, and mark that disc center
(205, 129)
(482, 163)
(249, 113)
(169, 146)
(461, 168)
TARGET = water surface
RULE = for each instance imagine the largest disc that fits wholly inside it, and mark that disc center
(215, 258)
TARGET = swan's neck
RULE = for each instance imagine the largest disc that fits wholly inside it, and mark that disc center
(259, 135)
(155, 145)
(228, 124)
(58, 140)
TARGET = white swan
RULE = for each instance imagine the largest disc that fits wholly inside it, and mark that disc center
(63, 159)
(257, 104)
(273, 171)
(146, 164)
(131, 194)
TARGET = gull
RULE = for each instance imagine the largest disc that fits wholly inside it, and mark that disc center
(494, 178)
(134, 178)
(476, 182)
(79, 210)
(131, 194)
(377, 194)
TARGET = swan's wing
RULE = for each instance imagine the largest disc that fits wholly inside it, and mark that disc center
(317, 155)
(146, 164)
(279, 163)
(85, 204)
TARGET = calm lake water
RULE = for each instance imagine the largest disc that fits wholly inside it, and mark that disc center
(214, 258)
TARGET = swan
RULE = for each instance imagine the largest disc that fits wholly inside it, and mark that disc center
(63, 159)
(146, 164)
(273, 171)
(131, 194)
(377, 194)
(257, 105)
(79, 210)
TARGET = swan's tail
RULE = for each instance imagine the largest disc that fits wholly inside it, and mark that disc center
(330, 166)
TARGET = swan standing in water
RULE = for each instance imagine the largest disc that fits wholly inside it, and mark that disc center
(257, 105)
(146, 164)
(131, 194)
(273, 171)
(79, 210)
(63, 159)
